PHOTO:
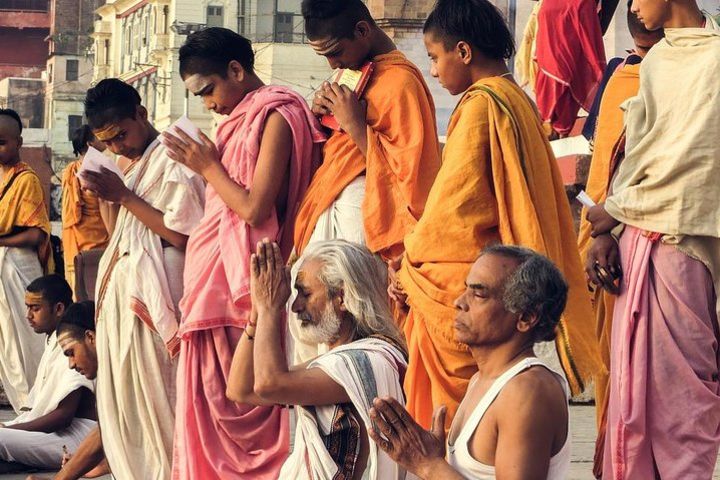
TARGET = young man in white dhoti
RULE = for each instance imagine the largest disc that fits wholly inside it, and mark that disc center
(24, 254)
(513, 421)
(341, 302)
(76, 337)
(139, 283)
(62, 402)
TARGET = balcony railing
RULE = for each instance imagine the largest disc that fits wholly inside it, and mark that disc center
(24, 5)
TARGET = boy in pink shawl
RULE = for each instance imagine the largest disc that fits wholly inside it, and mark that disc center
(256, 179)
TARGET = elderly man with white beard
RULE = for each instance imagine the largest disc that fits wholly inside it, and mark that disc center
(342, 303)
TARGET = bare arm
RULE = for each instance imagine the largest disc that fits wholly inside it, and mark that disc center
(25, 238)
(274, 382)
(349, 111)
(253, 205)
(57, 420)
(530, 410)
(241, 381)
(88, 456)
(108, 214)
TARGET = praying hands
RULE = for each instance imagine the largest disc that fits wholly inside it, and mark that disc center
(198, 157)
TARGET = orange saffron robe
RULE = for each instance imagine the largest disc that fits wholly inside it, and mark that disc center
(499, 182)
(83, 228)
(23, 205)
(403, 159)
(623, 84)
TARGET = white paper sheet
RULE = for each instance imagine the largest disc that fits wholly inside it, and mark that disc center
(585, 199)
(94, 160)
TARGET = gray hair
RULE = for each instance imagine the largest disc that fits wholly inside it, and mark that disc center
(536, 287)
(362, 278)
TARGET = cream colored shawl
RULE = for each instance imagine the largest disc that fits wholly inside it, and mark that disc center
(668, 182)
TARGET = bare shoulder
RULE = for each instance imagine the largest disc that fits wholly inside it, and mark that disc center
(537, 391)
(276, 123)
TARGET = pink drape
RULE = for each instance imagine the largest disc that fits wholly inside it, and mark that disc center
(216, 438)
(664, 409)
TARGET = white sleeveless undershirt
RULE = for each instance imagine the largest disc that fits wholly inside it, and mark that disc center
(458, 454)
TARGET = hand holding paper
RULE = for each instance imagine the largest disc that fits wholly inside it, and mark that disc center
(188, 146)
(94, 161)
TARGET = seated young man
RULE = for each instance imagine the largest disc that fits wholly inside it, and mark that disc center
(341, 303)
(139, 283)
(76, 336)
(62, 403)
(513, 421)
(24, 255)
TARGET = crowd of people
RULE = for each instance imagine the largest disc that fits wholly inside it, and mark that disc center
(404, 303)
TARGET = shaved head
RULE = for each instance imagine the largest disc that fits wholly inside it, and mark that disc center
(10, 126)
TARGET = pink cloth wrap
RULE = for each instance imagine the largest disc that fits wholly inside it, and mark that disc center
(217, 269)
(216, 438)
(664, 406)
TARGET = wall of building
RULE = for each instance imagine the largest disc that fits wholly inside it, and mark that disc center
(27, 97)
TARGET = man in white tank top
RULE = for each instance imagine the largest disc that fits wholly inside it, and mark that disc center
(513, 421)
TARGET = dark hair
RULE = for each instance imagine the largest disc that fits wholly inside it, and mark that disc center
(536, 287)
(333, 18)
(78, 318)
(636, 27)
(8, 112)
(209, 52)
(109, 101)
(80, 139)
(53, 288)
(477, 22)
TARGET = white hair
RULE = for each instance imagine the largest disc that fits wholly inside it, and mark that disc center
(361, 277)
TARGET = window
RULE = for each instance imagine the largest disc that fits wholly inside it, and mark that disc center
(27, 5)
(71, 70)
(241, 17)
(214, 16)
(106, 58)
(74, 122)
(284, 27)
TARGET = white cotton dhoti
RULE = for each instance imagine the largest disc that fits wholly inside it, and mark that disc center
(20, 347)
(135, 382)
(43, 450)
(342, 220)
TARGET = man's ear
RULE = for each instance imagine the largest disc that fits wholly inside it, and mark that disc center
(20, 141)
(90, 337)
(59, 309)
(362, 29)
(525, 323)
(141, 112)
(465, 52)
(236, 71)
(340, 300)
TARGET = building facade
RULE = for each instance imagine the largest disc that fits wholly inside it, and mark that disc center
(24, 25)
(69, 72)
(138, 41)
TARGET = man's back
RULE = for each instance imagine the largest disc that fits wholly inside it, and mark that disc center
(523, 413)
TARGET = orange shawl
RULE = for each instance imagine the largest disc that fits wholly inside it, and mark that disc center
(83, 228)
(402, 160)
(499, 181)
(23, 205)
(624, 84)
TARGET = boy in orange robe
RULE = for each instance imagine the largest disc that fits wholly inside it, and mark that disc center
(377, 172)
(499, 182)
(83, 225)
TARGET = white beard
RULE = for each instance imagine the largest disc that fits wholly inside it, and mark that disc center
(324, 332)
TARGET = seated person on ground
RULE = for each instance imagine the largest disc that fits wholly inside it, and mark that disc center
(341, 302)
(62, 402)
(76, 336)
(513, 421)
